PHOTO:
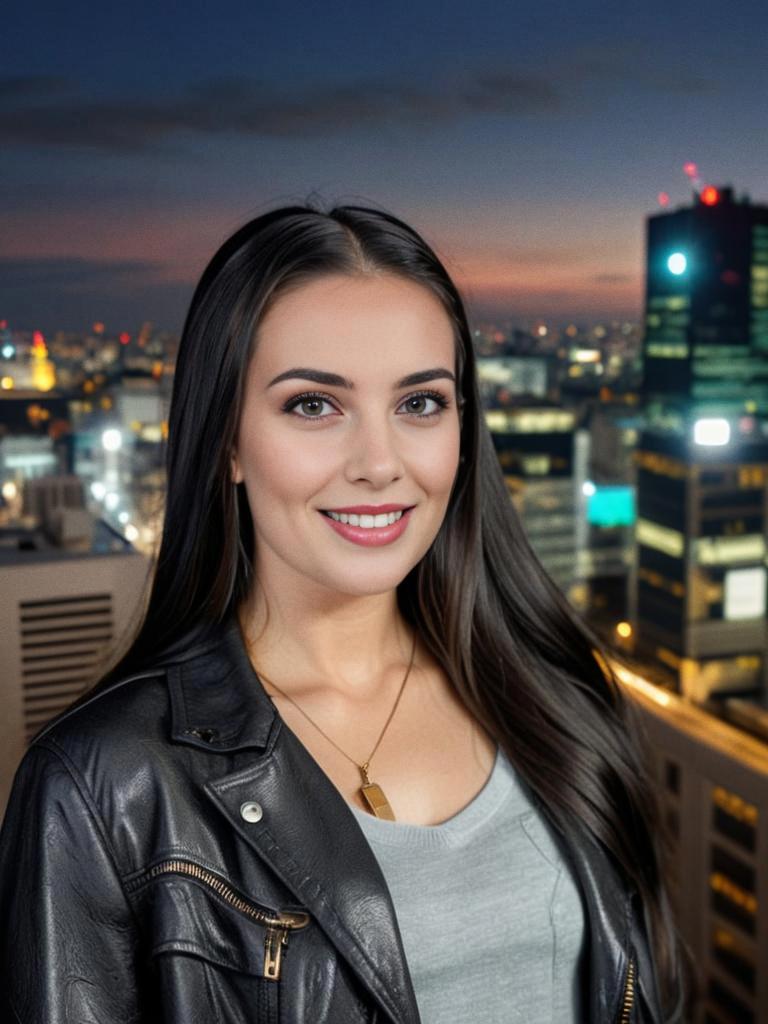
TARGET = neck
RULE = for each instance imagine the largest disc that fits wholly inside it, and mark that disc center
(348, 648)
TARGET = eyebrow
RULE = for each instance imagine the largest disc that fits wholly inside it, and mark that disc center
(335, 380)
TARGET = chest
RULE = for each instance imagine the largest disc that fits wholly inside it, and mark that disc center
(430, 762)
(495, 878)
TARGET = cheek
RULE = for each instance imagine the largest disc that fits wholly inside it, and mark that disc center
(439, 463)
(282, 465)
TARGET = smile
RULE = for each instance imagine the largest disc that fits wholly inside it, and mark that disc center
(369, 531)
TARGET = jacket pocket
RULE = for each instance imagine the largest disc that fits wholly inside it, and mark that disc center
(214, 954)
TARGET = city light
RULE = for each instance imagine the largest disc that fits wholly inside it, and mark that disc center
(712, 431)
(624, 629)
(710, 196)
(10, 490)
(111, 500)
(98, 490)
(588, 488)
(8, 351)
(611, 505)
(744, 593)
(677, 263)
(112, 439)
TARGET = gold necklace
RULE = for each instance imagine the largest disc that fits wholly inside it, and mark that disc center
(371, 792)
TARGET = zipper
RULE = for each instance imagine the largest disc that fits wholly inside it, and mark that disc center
(629, 993)
(278, 923)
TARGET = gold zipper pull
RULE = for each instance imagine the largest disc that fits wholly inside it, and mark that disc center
(277, 937)
(274, 941)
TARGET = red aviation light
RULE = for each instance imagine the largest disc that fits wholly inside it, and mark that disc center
(710, 196)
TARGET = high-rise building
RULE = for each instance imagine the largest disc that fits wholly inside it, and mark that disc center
(706, 324)
(700, 613)
(701, 577)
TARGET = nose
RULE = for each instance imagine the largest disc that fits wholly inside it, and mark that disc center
(374, 451)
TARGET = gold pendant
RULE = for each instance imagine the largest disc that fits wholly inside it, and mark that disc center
(373, 795)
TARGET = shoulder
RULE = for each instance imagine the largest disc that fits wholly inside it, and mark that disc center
(124, 707)
(106, 735)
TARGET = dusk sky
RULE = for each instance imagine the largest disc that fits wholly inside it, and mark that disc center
(526, 142)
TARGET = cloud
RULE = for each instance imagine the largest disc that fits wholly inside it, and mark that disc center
(636, 64)
(73, 273)
(38, 112)
(54, 111)
(69, 293)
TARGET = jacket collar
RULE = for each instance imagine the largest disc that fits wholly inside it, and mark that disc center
(218, 702)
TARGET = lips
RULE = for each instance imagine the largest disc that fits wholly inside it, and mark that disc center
(373, 537)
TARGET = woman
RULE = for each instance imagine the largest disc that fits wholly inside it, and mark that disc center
(361, 762)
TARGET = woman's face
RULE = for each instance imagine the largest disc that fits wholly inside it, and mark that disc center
(379, 441)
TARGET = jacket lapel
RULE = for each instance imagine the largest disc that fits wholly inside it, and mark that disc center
(311, 840)
(307, 834)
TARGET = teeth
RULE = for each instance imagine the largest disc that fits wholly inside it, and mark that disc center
(367, 522)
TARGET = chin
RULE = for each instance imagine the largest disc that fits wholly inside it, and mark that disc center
(364, 585)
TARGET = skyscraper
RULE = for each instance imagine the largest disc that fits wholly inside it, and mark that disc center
(706, 338)
(702, 459)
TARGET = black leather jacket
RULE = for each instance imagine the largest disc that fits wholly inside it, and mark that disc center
(172, 853)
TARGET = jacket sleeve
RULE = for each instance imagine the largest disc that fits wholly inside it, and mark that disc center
(68, 939)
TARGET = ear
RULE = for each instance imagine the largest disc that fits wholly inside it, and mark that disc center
(237, 475)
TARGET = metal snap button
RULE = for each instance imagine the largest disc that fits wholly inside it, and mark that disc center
(251, 811)
(206, 735)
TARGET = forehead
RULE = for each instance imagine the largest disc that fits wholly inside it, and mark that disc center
(364, 323)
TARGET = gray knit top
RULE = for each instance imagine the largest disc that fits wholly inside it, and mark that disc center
(490, 915)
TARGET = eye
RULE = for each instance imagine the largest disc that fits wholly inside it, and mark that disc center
(318, 399)
(428, 396)
(308, 398)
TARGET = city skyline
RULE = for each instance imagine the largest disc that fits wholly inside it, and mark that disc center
(528, 146)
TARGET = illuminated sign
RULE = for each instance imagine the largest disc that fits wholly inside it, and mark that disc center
(745, 593)
(714, 431)
(611, 506)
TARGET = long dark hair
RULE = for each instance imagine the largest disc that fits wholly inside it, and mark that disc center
(525, 665)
